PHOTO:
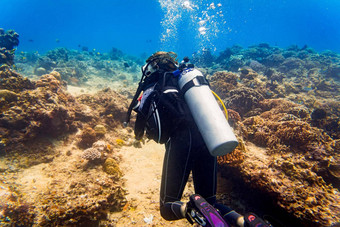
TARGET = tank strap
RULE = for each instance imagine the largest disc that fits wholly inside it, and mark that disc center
(195, 82)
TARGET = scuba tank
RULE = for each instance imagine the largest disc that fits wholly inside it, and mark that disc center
(211, 122)
(209, 118)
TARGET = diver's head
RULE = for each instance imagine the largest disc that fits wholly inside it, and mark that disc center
(160, 61)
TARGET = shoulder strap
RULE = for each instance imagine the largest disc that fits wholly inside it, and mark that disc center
(195, 82)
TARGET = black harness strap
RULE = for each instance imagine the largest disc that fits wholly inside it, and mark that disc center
(195, 82)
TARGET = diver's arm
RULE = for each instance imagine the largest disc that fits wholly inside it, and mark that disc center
(140, 126)
(142, 117)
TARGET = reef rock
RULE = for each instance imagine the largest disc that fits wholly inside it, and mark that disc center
(296, 166)
(87, 137)
(8, 40)
(60, 193)
(13, 81)
(16, 213)
(108, 104)
(41, 108)
(243, 100)
(222, 82)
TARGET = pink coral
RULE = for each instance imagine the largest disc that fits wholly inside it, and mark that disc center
(91, 154)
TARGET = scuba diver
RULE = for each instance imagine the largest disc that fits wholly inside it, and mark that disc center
(164, 115)
(168, 113)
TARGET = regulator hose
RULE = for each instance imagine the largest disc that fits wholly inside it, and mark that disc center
(219, 99)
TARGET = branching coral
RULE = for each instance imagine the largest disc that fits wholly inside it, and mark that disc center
(96, 152)
(92, 154)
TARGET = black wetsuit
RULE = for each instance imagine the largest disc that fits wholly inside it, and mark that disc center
(185, 148)
(185, 152)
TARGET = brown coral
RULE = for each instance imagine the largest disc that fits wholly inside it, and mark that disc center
(13, 81)
(243, 100)
(235, 157)
(111, 167)
(34, 112)
(110, 105)
(222, 82)
(276, 127)
(293, 147)
(233, 117)
(87, 138)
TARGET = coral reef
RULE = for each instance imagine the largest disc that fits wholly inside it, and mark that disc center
(243, 100)
(295, 167)
(289, 107)
(282, 103)
(79, 67)
(46, 110)
(43, 197)
(47, 136)
(203, 58)
(8, 40)
(109, 104)
(222, 82)
(40, 109)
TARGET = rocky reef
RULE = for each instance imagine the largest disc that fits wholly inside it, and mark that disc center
(289, 108)
(46, 138)
(295, 169)
(35, 108)
(78, 67)
(289, 62)
(283, 104)
(8, 41)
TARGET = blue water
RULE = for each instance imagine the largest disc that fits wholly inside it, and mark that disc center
(145, 26)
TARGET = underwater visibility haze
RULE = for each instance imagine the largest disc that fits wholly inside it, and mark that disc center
(182, 26)
(70, 68)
